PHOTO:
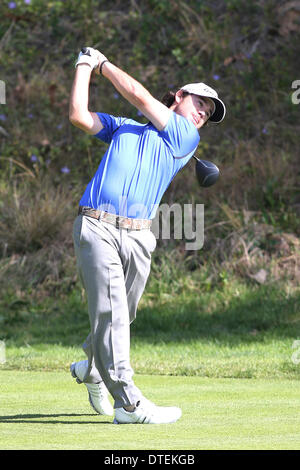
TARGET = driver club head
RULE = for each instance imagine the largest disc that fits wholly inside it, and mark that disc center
(207, 173)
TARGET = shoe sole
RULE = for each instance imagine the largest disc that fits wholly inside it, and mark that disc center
(135, 422)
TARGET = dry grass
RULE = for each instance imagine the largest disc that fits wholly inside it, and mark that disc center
(252, 249)
(33, 213)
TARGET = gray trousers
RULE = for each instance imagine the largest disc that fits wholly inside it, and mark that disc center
(113, 265)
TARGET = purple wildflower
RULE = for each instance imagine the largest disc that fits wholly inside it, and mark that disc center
(216, 77)
(265, 130)
(34, 158)
(116, 96)
(2, 117)
(139, 113)
(12, 5)
(65, 170)
(27, 2)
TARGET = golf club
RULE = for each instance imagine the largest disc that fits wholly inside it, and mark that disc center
(207, 172)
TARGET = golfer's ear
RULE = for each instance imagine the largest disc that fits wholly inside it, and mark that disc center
(178, 96)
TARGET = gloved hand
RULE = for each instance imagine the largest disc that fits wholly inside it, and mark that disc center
(102, 59)
(88, 56)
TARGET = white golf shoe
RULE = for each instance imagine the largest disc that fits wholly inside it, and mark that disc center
(147, 412)
(98, 393)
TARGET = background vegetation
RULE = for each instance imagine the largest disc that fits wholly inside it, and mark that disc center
(243, 287)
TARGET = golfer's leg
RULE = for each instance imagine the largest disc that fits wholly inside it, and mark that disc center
(92, 374)
(103, 278)
(137, 267)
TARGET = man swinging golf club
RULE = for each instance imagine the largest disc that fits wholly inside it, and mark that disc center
(112, 237)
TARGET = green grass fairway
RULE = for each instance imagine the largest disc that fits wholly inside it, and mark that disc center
(48, 410)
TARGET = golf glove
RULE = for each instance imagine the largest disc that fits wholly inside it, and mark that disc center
(88, 56)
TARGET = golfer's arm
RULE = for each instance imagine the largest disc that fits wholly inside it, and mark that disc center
(79, 114)
(137, 95)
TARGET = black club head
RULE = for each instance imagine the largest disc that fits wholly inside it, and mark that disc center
(207, 173)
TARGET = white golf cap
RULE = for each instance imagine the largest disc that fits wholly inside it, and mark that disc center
(204, 90)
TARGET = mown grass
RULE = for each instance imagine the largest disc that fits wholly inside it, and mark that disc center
(50, 411)
(234, 331)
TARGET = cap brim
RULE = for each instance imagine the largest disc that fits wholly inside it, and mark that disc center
(220, 110)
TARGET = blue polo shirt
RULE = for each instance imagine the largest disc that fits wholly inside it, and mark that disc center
(139, 164)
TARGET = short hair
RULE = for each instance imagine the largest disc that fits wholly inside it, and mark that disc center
(169, 98)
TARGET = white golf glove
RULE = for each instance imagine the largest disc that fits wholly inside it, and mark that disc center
(88, 56)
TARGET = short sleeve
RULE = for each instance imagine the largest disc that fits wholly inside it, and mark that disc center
(111, 124)
(180, 135)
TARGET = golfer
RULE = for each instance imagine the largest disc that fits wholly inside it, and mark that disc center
(112, 237)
